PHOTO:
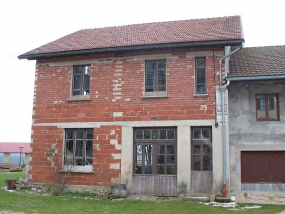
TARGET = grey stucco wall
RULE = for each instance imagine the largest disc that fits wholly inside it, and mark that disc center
(245, 132)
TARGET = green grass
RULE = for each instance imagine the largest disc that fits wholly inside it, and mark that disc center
(32, 203)
(12, 175)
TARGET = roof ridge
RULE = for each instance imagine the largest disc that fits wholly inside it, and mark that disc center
(171, 21)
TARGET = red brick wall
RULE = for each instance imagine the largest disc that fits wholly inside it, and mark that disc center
(45, 165)
(53, 85)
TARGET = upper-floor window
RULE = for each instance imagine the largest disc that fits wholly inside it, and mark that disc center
(81, 80)
(200, 74)
(155, 76)
(267, 107)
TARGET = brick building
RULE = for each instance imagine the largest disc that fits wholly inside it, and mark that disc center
(138, 105)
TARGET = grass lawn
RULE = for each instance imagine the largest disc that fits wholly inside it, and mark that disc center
(32, 203)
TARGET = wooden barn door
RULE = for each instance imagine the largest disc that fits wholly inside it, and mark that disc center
(155, 171)
(201, 167)
(265, 166)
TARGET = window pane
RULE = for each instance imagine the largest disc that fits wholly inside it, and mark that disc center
(139, 160)
(76, 92)
(89, 152)
(79, 134)
(148, 169)
(170, 134)
(160, 169)
(148, 149)
(69, 152)
(201, 76)
(205, 133)
(89, 134)
(170, 159)
(197, 134)
(79, 148)
(170, 150)
(149, 65)
(154, 134)
(197, 150)
(160, 159)
(77, 70)
(139, 150)
(272, 107)
(201, 89)
(79, 153)
(86, 77)
(160, 149)
(170, 170)
(206, 149)
(206, 163)
(138, 169)
(197, 162)
(148, 159)
(162, 134)
(161, 80)
(146, 134)
(69, 134)
(201, 62)
(139, 134)
(161, 65)
(77, 82)
(261, 113)
(149, 80)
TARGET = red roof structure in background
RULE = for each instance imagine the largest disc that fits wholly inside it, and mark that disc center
(10, 147)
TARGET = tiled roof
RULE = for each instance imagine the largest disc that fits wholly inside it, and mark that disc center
(195, 30)
(258, 61)
(14, 147)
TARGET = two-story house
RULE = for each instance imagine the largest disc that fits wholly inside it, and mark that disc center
(256, 113)
(139, 105)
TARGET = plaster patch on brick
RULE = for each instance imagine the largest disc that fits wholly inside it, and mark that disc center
(115, 180)
(117, 156)
(203, 107)
(116, 143)
(113, 100)
(117, 114)
(114, 166)
(112, 132)
(128, 99)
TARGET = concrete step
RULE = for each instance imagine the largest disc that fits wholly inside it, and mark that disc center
(198, 198)
(223, 199)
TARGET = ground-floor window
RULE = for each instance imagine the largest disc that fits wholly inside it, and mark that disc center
(201, 148)
(78, 147)
(155, 151)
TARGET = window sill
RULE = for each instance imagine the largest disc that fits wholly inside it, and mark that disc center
(200, 95)
(79, 98)
(78, 169)
(156, 94)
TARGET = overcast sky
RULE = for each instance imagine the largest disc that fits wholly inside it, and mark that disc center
(28, 24)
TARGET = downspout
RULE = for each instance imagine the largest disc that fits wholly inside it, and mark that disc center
(223, 89)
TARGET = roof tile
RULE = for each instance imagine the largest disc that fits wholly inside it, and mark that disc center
(195, 30)
(258, 61)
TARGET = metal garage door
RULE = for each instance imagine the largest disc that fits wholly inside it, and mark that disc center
(265, 166)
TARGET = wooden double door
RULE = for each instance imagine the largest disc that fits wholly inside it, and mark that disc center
(155, 162)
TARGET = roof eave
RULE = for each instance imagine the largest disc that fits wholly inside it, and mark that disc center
(133, 48)
(264, 77)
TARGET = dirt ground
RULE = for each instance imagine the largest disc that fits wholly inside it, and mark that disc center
(261, 197)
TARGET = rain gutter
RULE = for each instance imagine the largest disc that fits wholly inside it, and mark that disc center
(131, 48)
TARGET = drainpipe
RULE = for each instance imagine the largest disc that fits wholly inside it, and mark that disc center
(223, 89)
